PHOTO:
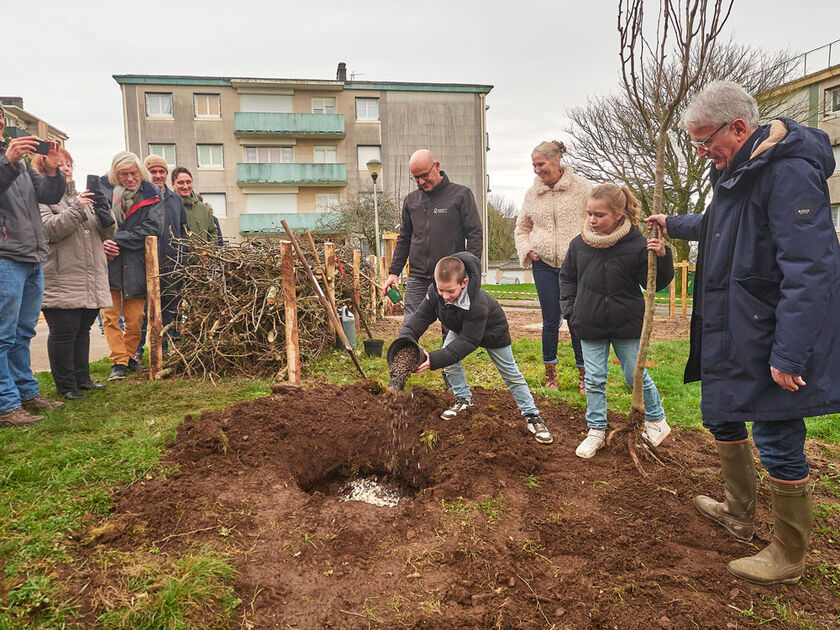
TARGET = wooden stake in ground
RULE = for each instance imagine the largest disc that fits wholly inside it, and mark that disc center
(320, 270)
(155, 323)
(287, 267)
(331, 313)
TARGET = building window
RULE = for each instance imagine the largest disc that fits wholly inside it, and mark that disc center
(210, 156)
(323, 105)
(159, 105)
(217, 202)
(269, 155)
(832, 100)
(325, 155)
(166, 151)
(271, 203)
(368, 152)
(835, 215)
(367, 109)
(276, 103)
(836, 149)
(207, 105)
(326, 202)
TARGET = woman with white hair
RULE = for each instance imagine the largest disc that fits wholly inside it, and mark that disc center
(139, 213)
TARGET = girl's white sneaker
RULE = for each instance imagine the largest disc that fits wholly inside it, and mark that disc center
(595, 439)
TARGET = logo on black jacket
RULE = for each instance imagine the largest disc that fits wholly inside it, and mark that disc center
(440, 211)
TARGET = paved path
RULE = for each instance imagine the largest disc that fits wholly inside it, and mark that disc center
(38, 346)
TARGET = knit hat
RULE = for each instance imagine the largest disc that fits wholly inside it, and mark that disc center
(155, 160)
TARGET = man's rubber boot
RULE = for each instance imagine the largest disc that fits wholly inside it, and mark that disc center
(551, 377)
(737, 512)
(783, 560)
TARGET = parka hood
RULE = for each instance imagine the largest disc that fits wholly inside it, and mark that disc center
(473, 272)
(785, 138)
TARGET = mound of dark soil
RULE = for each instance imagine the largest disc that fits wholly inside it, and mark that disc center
(493, 529)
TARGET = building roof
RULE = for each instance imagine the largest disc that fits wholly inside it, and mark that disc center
(30, 119)
(152, 79)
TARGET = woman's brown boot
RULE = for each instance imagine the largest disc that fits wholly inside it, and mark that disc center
(581, 382)
(551, 377)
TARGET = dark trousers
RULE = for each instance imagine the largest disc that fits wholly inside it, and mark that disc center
(68, 346)
(780, 444)
(547, 281)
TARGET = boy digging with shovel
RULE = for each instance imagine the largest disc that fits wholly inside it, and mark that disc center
(474, 319)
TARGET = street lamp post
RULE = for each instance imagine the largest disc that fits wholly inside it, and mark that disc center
(375, 168)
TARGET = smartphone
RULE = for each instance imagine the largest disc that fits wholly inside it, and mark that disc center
(92, 183)
(43, 147)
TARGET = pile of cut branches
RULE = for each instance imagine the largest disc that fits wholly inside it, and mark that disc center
(231, 319)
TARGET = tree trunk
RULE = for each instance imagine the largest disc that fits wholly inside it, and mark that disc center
(638, 403)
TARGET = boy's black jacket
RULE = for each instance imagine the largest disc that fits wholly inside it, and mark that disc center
(600, 288)
(484, 324)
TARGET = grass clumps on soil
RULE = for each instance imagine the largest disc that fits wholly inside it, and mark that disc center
(58, 477)
(152, 593)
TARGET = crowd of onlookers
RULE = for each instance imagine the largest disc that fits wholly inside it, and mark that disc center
(76, 254)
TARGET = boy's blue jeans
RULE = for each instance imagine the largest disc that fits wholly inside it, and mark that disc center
(596, 353)
(506, 365)
(21, 292)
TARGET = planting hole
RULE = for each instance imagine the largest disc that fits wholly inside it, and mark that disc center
(371, 491)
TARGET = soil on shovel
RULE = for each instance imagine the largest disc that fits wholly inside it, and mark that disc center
(492, 530)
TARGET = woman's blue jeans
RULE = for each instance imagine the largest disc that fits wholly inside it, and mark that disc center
(21, 292)
(547, 280)
(596, 353)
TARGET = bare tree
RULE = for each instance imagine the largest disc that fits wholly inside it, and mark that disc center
(660, 65)
(354, 216)
(501, 219)
(611, 143)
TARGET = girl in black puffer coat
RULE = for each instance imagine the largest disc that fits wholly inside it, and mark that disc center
(600, 294)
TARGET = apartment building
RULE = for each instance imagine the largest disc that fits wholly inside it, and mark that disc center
(262, 150)
(816, 93)
(21, 123)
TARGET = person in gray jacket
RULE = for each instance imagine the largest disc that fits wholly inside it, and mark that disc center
(75, 278)
(23, 247)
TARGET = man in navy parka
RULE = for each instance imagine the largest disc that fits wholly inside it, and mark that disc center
(765, 330)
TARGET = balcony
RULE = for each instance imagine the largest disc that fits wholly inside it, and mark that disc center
(270, 223)
(291, 174)
(288, 125)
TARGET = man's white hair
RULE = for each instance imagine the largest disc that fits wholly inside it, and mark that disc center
(719, 103)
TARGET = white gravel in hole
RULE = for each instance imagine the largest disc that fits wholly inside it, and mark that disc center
(369, 491)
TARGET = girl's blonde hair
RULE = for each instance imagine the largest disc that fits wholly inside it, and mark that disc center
(124, 160)
(619, 199)
(552, 149)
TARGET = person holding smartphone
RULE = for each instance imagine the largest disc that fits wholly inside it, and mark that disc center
(74, 291)
(23, 247)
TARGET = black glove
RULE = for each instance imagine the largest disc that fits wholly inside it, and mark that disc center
(102, 208)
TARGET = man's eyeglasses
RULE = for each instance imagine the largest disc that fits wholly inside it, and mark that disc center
(703, 144)
(425, 175)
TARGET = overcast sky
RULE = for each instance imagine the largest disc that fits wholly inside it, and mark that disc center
(541, 56)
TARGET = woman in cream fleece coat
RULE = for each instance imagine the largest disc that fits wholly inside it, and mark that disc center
(551, 216)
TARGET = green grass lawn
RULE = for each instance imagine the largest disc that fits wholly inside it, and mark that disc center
(514, 289)
(56, 478)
